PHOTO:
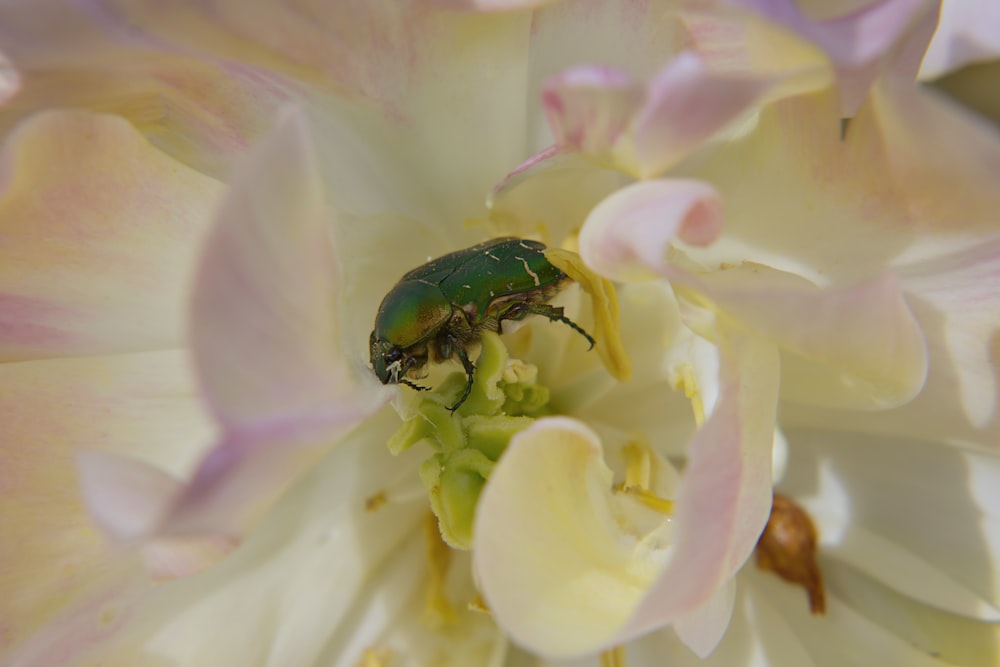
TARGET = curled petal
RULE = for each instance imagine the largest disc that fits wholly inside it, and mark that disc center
(556, 560)
(627, 236)
(702, 629)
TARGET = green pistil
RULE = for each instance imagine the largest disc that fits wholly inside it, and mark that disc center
(505, 399)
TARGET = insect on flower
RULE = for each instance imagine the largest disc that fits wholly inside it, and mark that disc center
(441, 308)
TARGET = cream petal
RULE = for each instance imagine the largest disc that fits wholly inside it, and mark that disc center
(627, 235)
(101, 232)
(953, 298)
(857, 346)
(687, 104)
(852, 347)
(143, 405)
(265, 335)
(550, 559)
(703, 629)
(858, 40)
(842, 636)
(589, 107)
(927, 529)
(550, 195)
(556, 568)
(336, 572)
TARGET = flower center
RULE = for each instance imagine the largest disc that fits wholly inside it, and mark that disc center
(504, 400)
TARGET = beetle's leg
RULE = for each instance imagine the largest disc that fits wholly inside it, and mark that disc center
(470, 368)
(414, 386)
(553, 313)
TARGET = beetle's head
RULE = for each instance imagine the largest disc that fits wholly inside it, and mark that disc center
(410, 315)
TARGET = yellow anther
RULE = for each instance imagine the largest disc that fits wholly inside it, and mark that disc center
(613, 658)
(438, 609)
(650, 499)
(605, 304)
(686, 382)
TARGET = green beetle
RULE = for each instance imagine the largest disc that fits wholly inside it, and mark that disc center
(440, 309)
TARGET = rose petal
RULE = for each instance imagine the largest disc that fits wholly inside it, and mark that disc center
(101, 232)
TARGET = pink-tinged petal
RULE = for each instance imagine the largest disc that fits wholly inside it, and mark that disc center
(550, 195)
(124, 495)
(628, 235)
(686, 104)
(101, 232)
(557, 563)
(852, 346)
(589, 107)
(266, 334)
(968, 32)
(703, 629)
(956, 300)
(942, 157)
(142, 405)
(267, 344)
(265, 321)
(858, 41)
(724, 498)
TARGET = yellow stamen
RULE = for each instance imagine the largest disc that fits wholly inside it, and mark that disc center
(605, 304)
(637, 465)
(438, 609)
(687, 383)
(650, 499)
(613, 658)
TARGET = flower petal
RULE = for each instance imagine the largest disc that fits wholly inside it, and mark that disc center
(702, 629)
(855, 346)
(627, 235)
(101, 232)
(142, 404)
(858, 40)
(555, 566)
(966, 33)
(879, 523)
(548, 552)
